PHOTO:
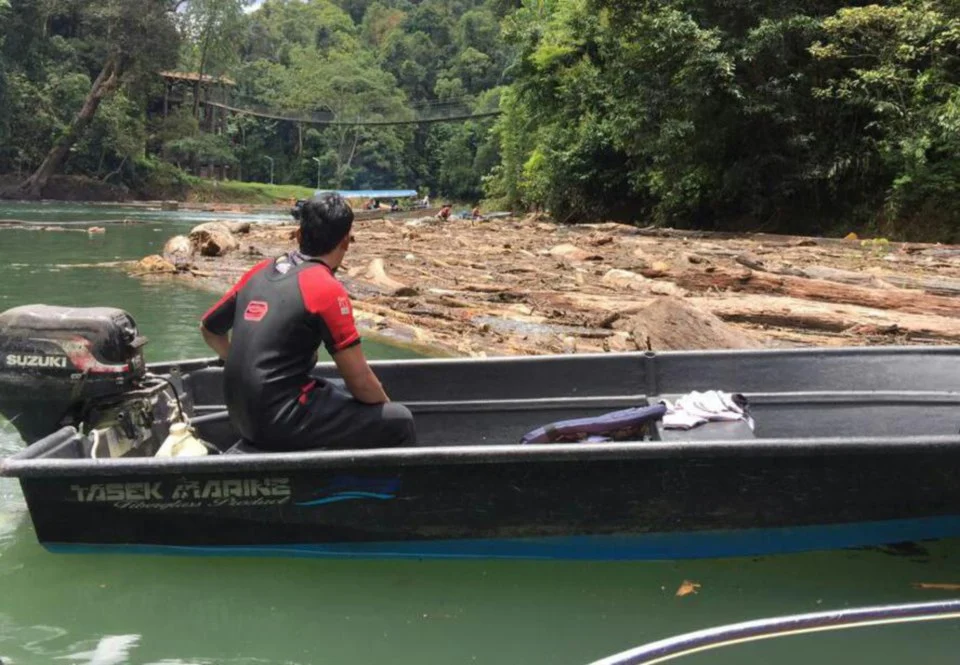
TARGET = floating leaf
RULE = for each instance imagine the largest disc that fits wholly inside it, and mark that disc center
(688, 587)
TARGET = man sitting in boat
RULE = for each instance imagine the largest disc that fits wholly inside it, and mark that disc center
(279, 313)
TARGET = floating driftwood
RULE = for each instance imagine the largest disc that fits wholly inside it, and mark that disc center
(509, 286)
(803, 288)
(377, 275)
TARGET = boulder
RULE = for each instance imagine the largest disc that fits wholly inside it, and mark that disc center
(155, 264)
(213, 239)
(572, 253)
(626, 280)
(672, 324)
(238, 228)
(178, 251)
(599, 239)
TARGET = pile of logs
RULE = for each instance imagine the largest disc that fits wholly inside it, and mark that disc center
(529, 286)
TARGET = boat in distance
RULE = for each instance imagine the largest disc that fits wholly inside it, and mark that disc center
(851, 448)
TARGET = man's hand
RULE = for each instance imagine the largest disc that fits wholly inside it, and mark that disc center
(360, 379)
(219, 343)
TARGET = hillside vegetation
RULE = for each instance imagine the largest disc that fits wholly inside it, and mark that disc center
(807, 116)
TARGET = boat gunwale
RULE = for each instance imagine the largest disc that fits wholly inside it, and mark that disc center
(199, 363)
(555, 403)
(25, 465)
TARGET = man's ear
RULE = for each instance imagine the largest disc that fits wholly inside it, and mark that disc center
(298, 235)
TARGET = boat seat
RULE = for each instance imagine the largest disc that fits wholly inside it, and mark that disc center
(244, 447)
(737, 430)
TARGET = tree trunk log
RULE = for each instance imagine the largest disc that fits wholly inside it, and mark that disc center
(106, 82)
(816, 289)
(943, 286)
(377, 274)
(939, 286)
(797, 314)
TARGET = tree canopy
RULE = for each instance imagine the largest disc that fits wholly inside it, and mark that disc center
(799, 115)
(792, 115)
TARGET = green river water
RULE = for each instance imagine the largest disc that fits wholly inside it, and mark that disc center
(118, 610)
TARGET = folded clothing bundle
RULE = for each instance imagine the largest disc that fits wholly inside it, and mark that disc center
(697, 408)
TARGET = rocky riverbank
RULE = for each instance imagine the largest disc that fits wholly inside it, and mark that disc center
(529, 286)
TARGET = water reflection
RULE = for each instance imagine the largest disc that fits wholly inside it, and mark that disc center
(307, 611)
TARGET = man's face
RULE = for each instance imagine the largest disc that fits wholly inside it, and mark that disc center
(341, 250)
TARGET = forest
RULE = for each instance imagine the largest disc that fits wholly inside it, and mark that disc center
(805, 116)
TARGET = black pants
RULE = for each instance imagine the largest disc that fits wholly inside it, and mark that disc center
(330, 418)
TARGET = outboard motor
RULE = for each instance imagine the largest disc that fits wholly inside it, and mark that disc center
(82, 367)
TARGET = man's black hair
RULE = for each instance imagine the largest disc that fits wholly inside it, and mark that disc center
(325, 220)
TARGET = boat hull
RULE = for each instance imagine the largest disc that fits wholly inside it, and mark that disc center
(852, 448)
(635, 502)
(639, 547)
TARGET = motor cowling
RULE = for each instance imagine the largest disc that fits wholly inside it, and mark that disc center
(55, 362)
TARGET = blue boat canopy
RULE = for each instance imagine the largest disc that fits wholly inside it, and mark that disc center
(372, 193)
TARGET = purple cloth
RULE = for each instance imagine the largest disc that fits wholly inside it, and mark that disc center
(597, 427)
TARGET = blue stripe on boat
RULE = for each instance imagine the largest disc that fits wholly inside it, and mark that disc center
(346, 496)
(705, 544)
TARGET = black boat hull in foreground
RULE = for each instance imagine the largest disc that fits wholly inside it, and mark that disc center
(852, 448)
(734, 634)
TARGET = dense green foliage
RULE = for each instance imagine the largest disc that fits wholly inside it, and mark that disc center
(802, 115)
(379, 60)
(53, 54)
(352, 60)
(792, 115)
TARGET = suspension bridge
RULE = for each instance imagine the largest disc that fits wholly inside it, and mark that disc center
(421, 114)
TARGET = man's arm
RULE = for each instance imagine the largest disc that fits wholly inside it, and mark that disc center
(219, 343)
(332, 312)
(362, 383)
(216, 323)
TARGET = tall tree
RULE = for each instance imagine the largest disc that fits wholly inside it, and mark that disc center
(128, 38)
(350, 87)
(211, 29)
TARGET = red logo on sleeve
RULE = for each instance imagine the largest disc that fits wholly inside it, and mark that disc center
(256, 310)
(344, 304)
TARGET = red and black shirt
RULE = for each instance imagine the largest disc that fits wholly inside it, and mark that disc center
(280, 312)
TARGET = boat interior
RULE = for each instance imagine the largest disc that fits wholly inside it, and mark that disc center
(859, 393)
(829, 395)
